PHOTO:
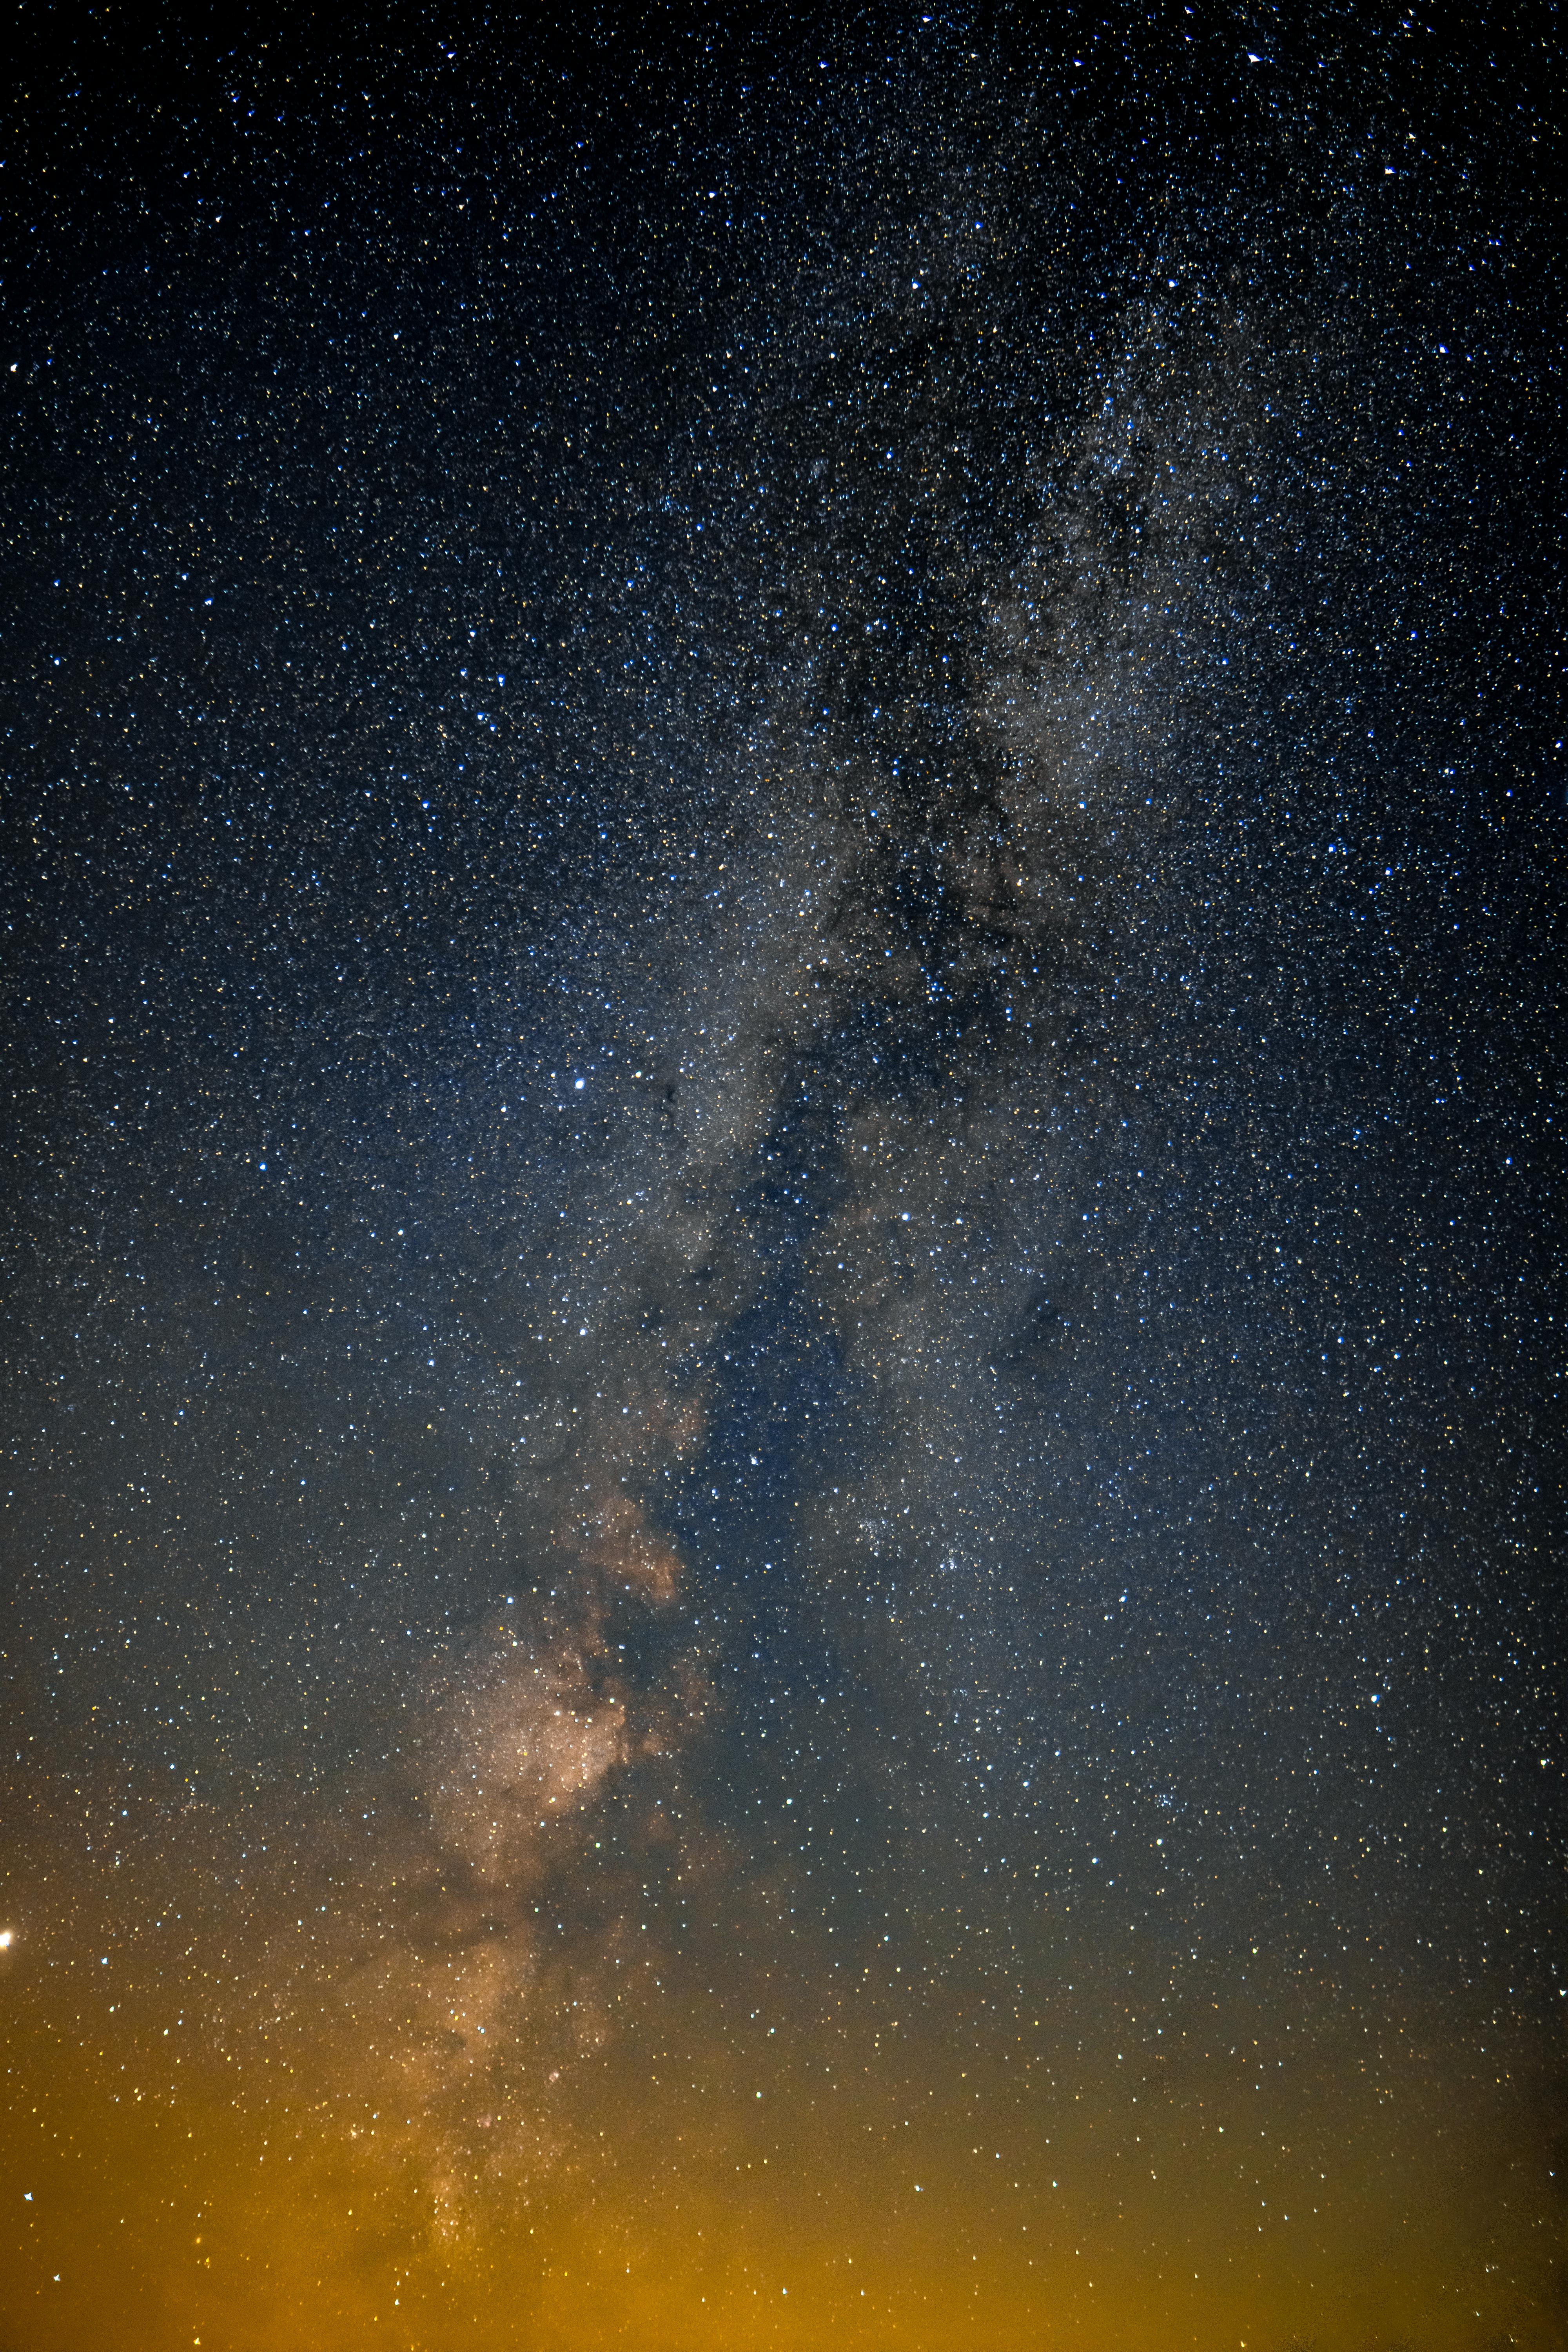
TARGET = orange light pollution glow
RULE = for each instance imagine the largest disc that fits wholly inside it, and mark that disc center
(782, 885)
(710, 2125)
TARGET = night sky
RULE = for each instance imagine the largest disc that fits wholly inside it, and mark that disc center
(782, 1056)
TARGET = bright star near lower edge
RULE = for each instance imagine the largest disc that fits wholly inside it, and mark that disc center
(784, 1298)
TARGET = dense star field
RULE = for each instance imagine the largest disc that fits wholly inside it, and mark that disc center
(783, 1048)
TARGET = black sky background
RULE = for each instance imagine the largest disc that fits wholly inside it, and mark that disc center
(783, 915)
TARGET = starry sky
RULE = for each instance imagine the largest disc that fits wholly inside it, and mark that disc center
(782, 1027)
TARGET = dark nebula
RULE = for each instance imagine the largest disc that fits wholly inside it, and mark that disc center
(783, 926)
